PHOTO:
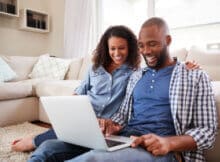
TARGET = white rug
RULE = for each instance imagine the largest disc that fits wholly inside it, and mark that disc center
(9, 134)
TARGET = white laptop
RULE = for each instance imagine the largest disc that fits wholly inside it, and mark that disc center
(74, 121)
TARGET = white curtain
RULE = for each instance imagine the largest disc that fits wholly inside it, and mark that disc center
(82, 26)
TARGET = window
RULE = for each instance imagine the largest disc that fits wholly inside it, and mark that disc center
(183, 13)
(131, 13)
(192, 23)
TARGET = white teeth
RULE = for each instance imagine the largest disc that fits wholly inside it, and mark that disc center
(118, 57)
(151, 58)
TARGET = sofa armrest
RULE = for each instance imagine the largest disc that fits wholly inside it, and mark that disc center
(216, 89)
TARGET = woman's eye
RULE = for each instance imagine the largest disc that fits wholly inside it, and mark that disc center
(140, 46)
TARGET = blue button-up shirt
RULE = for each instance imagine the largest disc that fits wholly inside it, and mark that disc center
(106, 91)
(151, 106)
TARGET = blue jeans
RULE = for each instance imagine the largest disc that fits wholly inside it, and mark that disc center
(123, 155)
(50, 134)
(55, 150)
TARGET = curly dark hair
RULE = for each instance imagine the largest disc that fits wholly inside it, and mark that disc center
(101, 53)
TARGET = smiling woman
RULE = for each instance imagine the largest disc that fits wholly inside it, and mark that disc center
(118, 51)
(115, 58)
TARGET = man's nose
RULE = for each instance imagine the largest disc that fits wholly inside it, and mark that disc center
(146, 50)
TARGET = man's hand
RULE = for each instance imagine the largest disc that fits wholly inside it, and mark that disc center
(162, 145)
(155, 144)
(109, 127)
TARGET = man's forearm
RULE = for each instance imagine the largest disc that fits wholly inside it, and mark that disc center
(182, 143)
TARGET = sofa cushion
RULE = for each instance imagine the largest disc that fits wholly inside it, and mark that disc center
(15, 90)
(34, 82)
(50, 67)
(56, 88)
(216, 89)
(181, 54)
(21, 65)
(208, 61)
(74, 68)
(6, 73)
(87, 62)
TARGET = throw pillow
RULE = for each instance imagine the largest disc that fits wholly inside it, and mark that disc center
(22, 65)
(6, 73)
(50, 68)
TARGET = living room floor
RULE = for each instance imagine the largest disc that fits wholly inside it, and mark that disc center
(41, 124)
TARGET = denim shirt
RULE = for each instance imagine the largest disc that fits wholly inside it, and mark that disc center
(106, 91)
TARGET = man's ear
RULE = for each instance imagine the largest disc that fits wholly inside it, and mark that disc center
(168, 40)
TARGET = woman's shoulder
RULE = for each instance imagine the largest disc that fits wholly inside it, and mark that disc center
(95, 71)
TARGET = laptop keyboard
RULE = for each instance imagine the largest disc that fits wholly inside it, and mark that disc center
(112, 143)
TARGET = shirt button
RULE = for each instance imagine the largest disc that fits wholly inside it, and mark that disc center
(103, 105)
(108, 98)
(151, 87)
(153, 74)
(153, 81)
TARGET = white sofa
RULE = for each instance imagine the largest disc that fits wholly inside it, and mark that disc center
(19, 100)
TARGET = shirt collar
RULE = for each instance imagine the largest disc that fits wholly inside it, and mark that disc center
(122, 67)
(147, 68)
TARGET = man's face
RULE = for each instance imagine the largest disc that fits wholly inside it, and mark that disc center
(153, 46)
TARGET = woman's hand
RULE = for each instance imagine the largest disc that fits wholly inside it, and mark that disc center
(109, 127)
(192, 65)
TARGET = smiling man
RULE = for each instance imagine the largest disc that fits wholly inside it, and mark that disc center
(171, 107)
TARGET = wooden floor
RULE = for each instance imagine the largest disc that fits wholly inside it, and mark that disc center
(42, 124)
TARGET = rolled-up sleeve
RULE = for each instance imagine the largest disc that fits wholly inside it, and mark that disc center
(84, 86)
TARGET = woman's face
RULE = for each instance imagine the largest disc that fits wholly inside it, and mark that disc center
(118, 50)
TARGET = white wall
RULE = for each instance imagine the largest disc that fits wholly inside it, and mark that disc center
(56, 36)
(14, 41)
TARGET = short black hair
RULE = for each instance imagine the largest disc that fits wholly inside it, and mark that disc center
(159, 22)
